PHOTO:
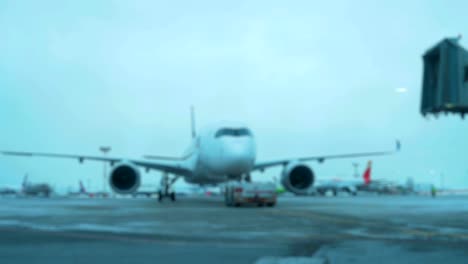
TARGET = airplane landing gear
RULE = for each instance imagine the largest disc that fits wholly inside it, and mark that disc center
(171, 195)
(166, 189)
(248, 178)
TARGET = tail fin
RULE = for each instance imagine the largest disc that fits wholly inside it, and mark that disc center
(192, 121)
(82, 188)
(367, 173)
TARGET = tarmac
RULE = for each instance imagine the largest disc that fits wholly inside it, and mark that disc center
(362, 229)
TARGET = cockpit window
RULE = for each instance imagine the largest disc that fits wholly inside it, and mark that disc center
(233, 132)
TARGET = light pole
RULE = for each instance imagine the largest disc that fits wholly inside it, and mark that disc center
(104, 150)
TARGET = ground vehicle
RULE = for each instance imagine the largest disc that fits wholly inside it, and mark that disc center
(238, 193)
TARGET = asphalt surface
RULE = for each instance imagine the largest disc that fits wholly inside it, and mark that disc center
(370, 229)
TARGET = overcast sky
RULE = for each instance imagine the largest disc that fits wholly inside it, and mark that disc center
(309, 78)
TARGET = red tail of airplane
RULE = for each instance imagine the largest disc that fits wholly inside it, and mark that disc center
(367, 173)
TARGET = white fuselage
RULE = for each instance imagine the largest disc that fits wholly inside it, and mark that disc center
(221, 153)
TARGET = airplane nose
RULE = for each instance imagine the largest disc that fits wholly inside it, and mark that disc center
(238, 159)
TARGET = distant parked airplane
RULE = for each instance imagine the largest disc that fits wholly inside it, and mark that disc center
(83, 192)
(7, 190)
(367, 184)
(350, 186)
(35, 189)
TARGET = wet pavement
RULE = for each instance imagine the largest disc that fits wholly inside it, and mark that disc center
(384, 229)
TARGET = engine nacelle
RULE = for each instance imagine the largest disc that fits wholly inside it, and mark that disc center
(124, 178)
(297, 178)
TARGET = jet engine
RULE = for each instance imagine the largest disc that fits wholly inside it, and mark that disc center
(297, 178)
(124, 178)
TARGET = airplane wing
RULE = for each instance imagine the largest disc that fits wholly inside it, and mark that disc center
(159, 157)
(174, 167)
(264, 165)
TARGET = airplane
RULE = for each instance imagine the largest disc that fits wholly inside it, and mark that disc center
(35, 189)
(349, 186)
(82, 191)
(369, 185)
(217, 154)
(7, 190)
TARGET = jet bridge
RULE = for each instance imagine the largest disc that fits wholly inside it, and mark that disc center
(445, 79)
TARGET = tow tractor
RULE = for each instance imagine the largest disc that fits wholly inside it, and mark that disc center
(239, 193)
